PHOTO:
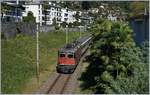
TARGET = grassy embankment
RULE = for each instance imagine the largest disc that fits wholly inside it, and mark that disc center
(19, 60)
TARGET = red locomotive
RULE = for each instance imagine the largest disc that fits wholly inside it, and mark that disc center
(70, 55)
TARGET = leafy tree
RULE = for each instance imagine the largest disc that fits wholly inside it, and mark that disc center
(70, 25)
(116, 65)
(140, 79)
(5, 8)
(55, 24)
(67, 4)
(54, 21)
(75, 5)
(85, 5)
(145, 50)
(76, 23)
(63, 24)
(77, 16)
(138, 7)
(29, 17)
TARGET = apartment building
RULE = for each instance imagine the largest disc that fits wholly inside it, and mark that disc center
(36, 9)
(67, 15)
(54, 11)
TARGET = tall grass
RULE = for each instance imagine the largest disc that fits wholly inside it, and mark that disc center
(18, 62)
(19, 58)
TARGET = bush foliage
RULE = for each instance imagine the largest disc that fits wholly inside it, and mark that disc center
(29, 17)
(116, 63)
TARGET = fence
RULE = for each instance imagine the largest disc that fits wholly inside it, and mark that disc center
(10, 30)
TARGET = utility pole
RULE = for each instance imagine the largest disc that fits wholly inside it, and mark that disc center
(145, 11)
(66, 34)
(17, 2)
(37, 54)
(80, 32)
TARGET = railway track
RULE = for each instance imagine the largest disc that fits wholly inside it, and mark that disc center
(59, 84)
(56, 84)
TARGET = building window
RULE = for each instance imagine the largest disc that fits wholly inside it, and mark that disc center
(43, 18)
(58, 19)
(66, 15)
(47, 18)
(57, 14)
(65, 19)
(43, 12)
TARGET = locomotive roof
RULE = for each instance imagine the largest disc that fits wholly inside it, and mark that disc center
(72, 47)
(69, 47)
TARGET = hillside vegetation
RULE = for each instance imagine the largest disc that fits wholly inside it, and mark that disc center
(117, 65)
(19, 58)
(18, 62)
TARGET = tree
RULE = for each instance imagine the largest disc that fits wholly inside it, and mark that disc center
(76, 23)
(63, 24)
(70, 25)
(138, 8)
(116, 65)
(77, 15)
(5, 8)
(75, 5)
(85, 5)
(29, 17)
(55, 24)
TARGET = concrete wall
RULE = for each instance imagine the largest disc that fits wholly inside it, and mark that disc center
(10, 30)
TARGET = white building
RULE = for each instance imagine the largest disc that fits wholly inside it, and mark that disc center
(54, 11)
(111, 17)
(67, 15)
(36, 9)
(71, 17)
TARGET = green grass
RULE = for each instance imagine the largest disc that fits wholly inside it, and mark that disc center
(19, 58)
(18, 62)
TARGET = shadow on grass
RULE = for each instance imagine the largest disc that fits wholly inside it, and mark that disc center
(93, 70)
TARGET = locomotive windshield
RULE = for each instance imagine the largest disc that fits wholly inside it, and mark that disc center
(62, 55)
(70, 55)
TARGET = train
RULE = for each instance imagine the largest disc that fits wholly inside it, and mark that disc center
(70, 55)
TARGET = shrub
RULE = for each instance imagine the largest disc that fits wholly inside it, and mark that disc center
(116, 59)
(29, 17)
